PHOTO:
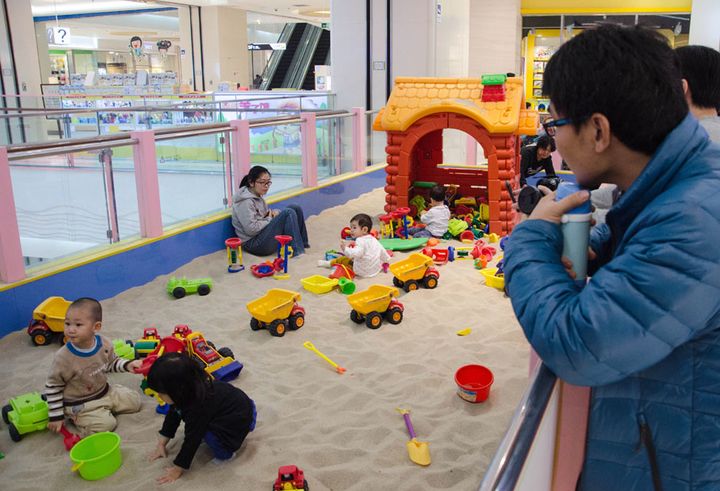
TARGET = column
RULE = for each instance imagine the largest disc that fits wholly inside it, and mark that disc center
(348, 53)
(704, 22)
(186, 75)
(224, 35)
(27, 63)
(495, 37)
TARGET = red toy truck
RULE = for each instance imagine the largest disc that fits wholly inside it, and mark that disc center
(290, 478)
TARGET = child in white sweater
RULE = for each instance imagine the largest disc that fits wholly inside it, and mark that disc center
(436, 218)
(367, 254)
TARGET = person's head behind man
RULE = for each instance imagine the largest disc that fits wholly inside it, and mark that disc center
(615, 94)
(700, 68)
(545, 147)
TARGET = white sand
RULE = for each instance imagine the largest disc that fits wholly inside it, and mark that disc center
(342, 430)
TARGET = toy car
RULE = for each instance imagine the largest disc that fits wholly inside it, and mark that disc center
(277, 311)
(178, 288)
(48, 321)
(219, 364)
(371, 305)
(147, 344)
(416, 269)
(290, 478)
(25, 414)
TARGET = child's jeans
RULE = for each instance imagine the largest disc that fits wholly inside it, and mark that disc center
(290, 221)
(420, 232)
(98, 415)
(219, 451)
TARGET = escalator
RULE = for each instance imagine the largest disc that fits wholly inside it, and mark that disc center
(294, 68)
(321, 57)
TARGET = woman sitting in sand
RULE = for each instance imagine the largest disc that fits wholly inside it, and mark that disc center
(257, 225)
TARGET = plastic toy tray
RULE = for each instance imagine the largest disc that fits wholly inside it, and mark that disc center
(403, 244)
(319, 284)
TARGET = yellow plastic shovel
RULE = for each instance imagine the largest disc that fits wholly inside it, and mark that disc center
(312, 348)
(418, 451)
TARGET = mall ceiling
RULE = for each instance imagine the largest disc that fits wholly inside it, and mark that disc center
(317, 10)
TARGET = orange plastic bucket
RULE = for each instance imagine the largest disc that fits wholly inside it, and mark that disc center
(474, 382)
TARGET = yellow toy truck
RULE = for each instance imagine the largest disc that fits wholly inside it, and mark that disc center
(413, 271)
(278, 311)
(48, 321)
(371, 305)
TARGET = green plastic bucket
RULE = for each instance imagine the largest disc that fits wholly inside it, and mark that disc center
(97, 456)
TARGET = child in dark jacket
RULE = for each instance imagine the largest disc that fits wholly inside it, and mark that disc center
(218, 413)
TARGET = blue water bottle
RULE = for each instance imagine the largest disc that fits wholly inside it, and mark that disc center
(576, 231)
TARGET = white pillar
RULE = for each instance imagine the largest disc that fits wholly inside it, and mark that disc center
(185, 53)
(495, 37)
(27, 64)
(704, 22)
(224, 33)
(348, 52)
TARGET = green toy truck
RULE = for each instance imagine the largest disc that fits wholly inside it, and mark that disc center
(25, 414)
(178, 288)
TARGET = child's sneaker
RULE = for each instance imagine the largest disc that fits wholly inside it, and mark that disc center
(217, 461)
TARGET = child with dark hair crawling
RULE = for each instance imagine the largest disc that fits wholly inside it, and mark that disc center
(367, 254)
(215, 412)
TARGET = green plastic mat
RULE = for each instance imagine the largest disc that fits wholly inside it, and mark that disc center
(403, 244)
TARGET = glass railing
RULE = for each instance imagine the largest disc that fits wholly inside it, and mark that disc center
(85, 115)
(75, 196)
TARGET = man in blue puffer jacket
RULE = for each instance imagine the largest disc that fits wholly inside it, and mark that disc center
(644, 333)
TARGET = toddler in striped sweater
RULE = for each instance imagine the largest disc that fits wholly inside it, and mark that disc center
(77, 387)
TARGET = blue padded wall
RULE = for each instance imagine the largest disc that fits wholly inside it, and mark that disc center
(109, 276)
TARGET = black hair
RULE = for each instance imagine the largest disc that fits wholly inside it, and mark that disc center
(91, 304)
(178, 376)
(437, 193)
(253, 175)
(700, 66)
(628, 74)
(528, 105)
(363, 220)
(546, 141)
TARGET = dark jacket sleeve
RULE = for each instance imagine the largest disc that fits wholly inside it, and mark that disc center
(524, 164)
(548, 167)
(195, 429)
(644, 303)
(170, 423)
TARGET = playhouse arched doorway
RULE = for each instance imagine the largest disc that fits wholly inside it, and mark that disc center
(490, 111)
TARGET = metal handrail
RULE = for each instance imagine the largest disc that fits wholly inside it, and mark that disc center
(45, 152)
(24, 150)
(507, 464)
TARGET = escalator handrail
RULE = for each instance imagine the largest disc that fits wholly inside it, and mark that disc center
(276, 56)
(303, 54)
(507, 463)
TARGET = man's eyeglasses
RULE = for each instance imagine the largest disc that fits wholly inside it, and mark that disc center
(264, 183)
(550, 125)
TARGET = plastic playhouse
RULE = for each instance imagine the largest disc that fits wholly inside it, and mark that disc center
(277, 311)
(413, 271)
(371, 305)
(491, 110)
(48, 321)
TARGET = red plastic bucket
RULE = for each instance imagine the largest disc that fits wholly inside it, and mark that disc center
(474, 382)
